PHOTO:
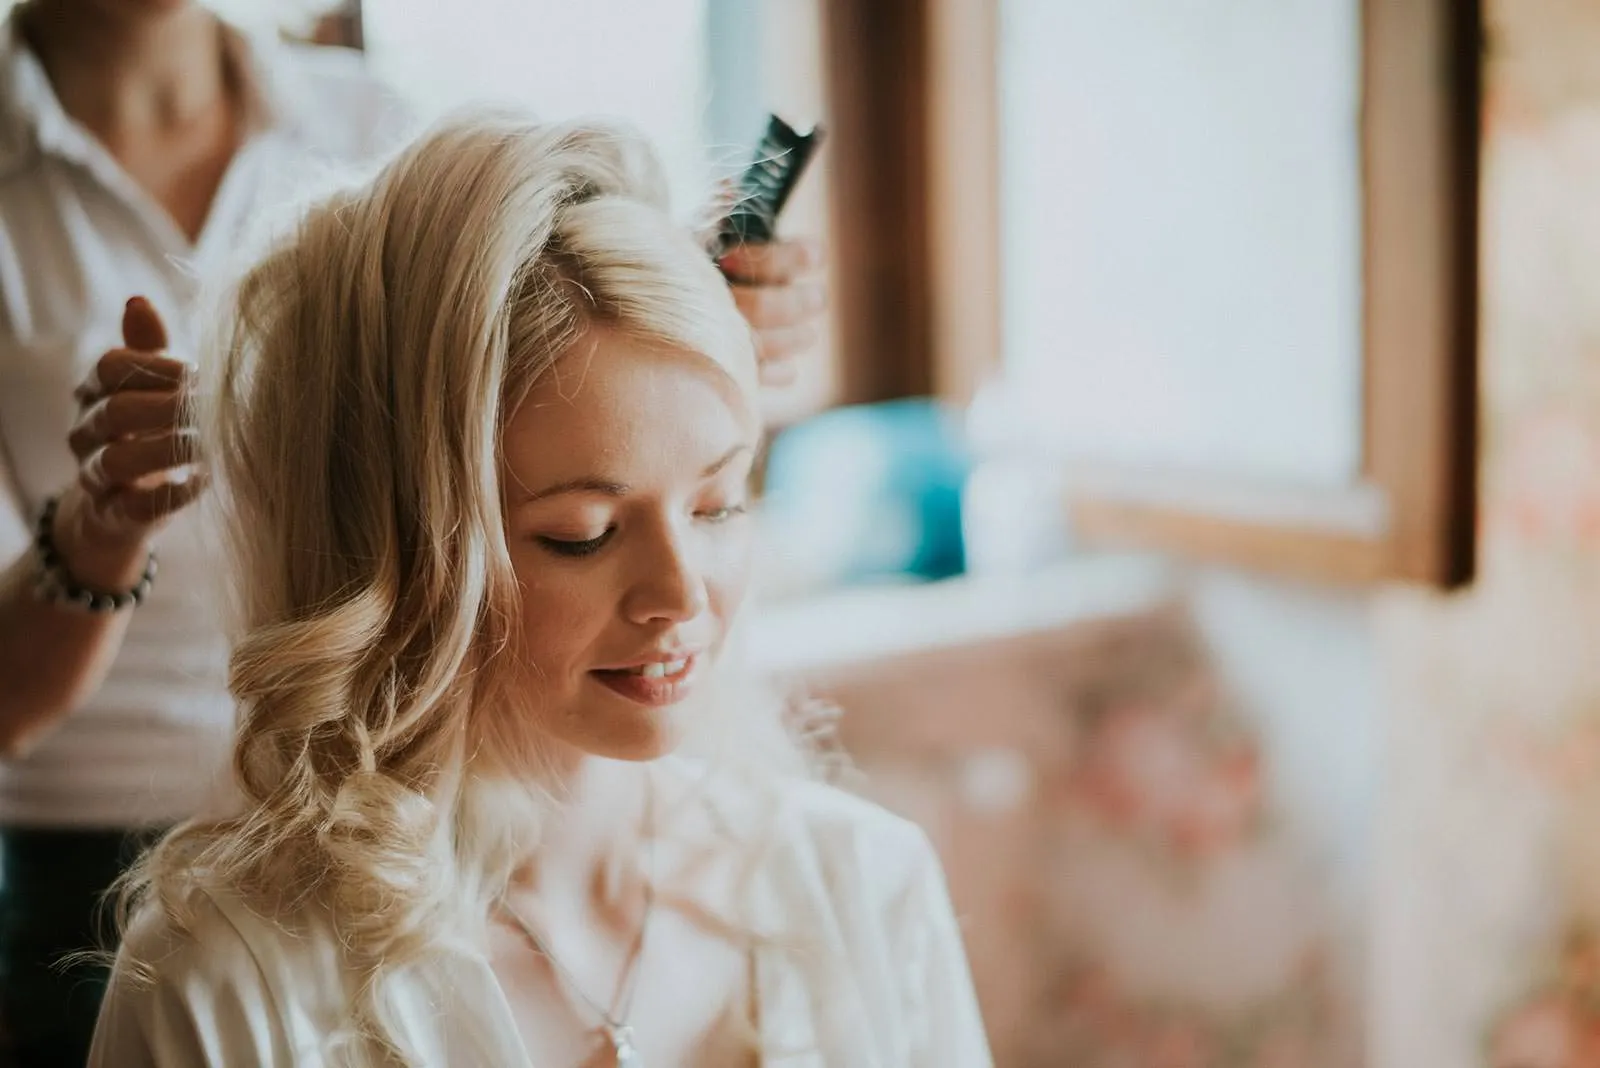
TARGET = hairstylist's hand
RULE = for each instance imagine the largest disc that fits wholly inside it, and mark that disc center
(131, 439)
(778, 287)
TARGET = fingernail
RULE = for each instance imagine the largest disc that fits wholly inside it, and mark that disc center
(134, 302)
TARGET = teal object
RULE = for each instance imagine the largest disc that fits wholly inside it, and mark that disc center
(879, 485)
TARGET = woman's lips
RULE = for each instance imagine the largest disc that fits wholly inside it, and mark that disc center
(655, 685)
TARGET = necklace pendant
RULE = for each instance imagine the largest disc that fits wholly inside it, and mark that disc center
(622, 1042)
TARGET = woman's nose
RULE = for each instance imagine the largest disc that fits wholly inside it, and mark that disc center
(670, 587)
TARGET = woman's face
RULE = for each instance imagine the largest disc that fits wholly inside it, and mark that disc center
(625, 482)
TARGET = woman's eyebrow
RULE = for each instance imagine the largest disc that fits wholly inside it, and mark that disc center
(726, 459)
(580, 485)
(612, 488)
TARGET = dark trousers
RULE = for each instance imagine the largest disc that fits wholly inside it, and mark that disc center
(52, 904)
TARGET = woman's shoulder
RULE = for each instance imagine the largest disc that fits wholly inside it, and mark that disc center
(826, 811)
(211, 984)
(161, 941)
(799, 811)
(802, 827)
(859, 846)
(217, 942)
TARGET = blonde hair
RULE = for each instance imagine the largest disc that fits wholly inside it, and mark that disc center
(367, 365)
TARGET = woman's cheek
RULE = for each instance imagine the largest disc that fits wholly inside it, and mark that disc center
(560, 614)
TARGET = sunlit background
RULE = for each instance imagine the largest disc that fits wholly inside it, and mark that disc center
(647, 63)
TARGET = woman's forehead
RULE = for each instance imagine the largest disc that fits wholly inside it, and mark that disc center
(617, 401)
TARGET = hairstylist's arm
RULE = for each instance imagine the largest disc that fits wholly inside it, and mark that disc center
(129, 432)
(779, 289)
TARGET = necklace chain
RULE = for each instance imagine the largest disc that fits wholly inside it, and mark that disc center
(614, 1020)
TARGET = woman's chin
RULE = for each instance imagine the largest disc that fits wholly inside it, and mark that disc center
(639, 738)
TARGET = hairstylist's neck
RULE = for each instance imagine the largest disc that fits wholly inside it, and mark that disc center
(125, 71)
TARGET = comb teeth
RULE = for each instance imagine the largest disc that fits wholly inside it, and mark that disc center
(765, 185)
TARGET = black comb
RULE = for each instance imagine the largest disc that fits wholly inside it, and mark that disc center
(765, 185)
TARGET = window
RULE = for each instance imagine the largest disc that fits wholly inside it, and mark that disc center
(1100, 193)
(642, 61)
(1181, 230)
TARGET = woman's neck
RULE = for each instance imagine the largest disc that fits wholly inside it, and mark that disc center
(592, 842)
(125, 73)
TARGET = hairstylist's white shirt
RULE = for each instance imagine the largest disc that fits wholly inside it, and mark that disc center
(77, 238)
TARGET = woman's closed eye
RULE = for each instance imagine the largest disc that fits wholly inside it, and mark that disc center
(577, 546)
(723, 513)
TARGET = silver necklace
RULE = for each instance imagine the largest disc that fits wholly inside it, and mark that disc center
(614, 1021)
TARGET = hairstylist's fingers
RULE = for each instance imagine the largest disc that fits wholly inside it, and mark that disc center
(771, 262)
(146, 507)
(121, 464)
(142, 328)
(778, 306)
(723, 198)
(121, 369)
(120, 415)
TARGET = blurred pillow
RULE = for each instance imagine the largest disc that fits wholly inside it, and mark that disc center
(863, 494)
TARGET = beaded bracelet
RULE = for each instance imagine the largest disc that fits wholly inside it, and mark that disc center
(56, 583)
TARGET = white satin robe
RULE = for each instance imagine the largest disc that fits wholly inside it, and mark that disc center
(883, 982)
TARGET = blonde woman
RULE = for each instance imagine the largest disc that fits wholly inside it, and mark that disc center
(137, 139)
(484, 432)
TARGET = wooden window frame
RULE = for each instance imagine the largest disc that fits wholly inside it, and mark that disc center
(915, 104)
